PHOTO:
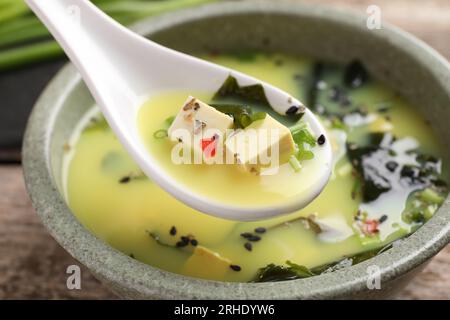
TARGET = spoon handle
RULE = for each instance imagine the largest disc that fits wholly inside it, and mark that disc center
(102, 51)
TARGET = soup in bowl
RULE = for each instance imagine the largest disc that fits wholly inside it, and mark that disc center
(389, 177)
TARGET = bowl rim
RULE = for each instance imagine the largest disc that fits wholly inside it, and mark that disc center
(137, 279)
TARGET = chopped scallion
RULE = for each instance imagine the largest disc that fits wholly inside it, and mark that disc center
(295, 164)
(258, 116)
(160, 134)
(430, 196)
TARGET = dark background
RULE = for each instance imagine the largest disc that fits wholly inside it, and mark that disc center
(19, 89)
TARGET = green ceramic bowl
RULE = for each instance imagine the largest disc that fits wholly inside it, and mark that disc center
(398, 59)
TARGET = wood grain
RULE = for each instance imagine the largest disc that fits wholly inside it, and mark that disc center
(33, 265)
(428, 20)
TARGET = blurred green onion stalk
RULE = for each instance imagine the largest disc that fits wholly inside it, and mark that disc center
(24, 40)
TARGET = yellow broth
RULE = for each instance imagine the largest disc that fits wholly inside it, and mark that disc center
(225, 183)
(109, 195)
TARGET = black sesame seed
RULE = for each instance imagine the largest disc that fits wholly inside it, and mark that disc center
(391, 165)
(173, 231)
(383, 218)
(246, 235)
(248, 246)
(235, 267)
(194, 242)
(409, 171)
(292, 110)
(125, 179)
(383, 109)
(254, 238)
(181, 244)
(260, 230)
(321, 139)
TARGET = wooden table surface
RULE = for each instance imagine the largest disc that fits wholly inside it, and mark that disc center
(33, 265)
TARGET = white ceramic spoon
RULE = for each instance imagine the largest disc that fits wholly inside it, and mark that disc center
(122, 68)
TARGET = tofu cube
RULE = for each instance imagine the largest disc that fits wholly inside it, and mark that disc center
(197, 124)
(206, 264)
(263, 144)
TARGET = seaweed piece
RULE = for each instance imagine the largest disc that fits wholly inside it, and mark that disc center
(231, 89)
(329, 88)
(376, 167)
(248, 98)
(273, 272)
(243, 115)
(355, 75)
(231, 109)
(168, 122)
(301, 271)
(369, 163)
(349, 261)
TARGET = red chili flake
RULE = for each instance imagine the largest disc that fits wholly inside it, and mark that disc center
(209, 146)
(370, 226)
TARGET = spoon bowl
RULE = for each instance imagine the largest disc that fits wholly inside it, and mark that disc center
(123, 69)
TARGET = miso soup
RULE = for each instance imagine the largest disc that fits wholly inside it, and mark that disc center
(388, 179)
